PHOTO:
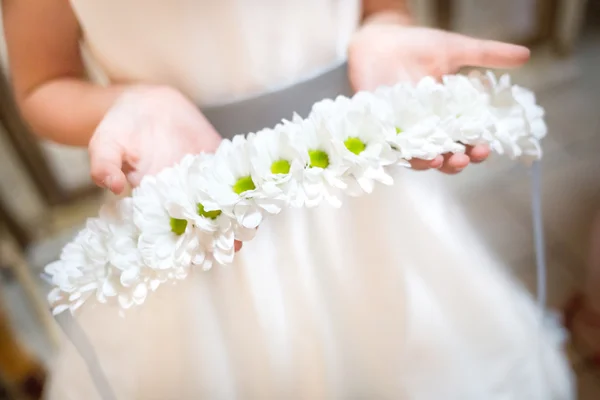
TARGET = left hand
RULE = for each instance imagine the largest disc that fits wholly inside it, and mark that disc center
(384, 53)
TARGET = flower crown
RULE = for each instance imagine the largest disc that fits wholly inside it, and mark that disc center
(187, 217)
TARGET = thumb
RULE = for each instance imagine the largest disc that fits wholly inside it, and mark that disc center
(106, 161)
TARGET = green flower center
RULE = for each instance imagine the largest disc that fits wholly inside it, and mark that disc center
(399, 130)
(178, 226)
(355, 145)
(244, 184)
(280, 167)
(318, 159)
(208, 214)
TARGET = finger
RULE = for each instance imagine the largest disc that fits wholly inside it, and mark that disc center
(422, 165)
(478, 153)
(454, 163)
(237, 245)
(467, 51)
(134, 177)
(106, 160)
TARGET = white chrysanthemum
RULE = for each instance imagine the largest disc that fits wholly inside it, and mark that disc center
(81, 271)
(327, 109)
(535, 123)
(361, 141)
(130, 278)
(465, 112)
(323, 169)
(231, 185)
(462, 109)
(216, 231)
(418, 132)
(165, 242)
(331, 108)
(519, 121)
(533, 112)
(120, 234)
(276, 164)
(103, 259)
(192, 201)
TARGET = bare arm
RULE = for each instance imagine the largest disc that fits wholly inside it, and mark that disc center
(393, 11)
(47, 71)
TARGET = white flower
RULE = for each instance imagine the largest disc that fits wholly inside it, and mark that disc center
(216, 231)
(134, 284)
(120, 234)
(165, 242)
(323, 169)
(535, 123)
(418, 132)
(276, 165)
(462, 110)
(519, 121)
(103, 259)
(230, 182)
(131, 279)
(362, 142)
(82, 270)
(466, 116)
(329, 108)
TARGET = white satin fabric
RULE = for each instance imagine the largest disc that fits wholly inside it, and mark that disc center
(390, 297)
(215, 51)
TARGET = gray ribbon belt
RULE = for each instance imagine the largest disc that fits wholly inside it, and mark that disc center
(267, 110)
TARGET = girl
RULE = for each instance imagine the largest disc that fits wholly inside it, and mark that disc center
(314, 307)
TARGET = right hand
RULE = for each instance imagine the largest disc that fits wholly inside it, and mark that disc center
(147, 129)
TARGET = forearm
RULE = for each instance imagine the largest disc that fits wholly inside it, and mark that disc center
(67, 110)
(387, 11)
(48, 74)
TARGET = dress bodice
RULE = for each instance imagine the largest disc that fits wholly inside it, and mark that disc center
(216, 51)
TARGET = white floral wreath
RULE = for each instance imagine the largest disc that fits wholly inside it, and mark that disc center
(189, 216)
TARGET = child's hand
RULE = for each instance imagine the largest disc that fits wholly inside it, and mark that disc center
(385, 53)
(146, 130)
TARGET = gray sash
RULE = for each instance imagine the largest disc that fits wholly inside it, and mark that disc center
(267, 110)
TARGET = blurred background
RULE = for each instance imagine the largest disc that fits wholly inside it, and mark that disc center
(46, 192)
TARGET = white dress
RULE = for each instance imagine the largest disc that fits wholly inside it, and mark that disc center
(390, 297)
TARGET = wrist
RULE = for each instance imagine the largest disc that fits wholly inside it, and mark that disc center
(67, 110)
